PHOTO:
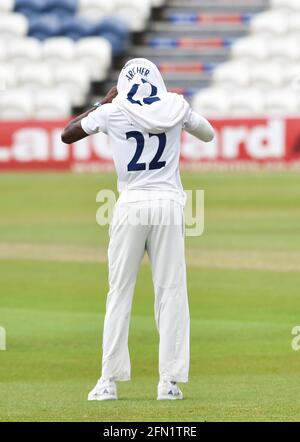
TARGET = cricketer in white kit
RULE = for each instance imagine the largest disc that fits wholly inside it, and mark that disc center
(144, 122)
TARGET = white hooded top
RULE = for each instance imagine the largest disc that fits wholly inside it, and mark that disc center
(150, 106)
(144, 124)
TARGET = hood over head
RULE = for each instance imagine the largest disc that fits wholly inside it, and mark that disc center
(144, 99)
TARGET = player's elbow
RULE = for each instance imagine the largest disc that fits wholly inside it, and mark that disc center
(66, 136)
(209, 135)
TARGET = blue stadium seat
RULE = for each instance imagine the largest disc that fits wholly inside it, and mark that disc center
(76, 27)
(113, 24)
(45, 26)
(33, 5)
(69, 6)
(50, 18)
(115, 42)
(116, 31)
(29, 13)
(62, 13)
(59, 7)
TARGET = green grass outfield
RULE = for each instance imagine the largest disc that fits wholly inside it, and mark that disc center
(244, 288)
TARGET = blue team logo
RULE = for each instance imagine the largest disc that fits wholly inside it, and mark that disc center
(148, 100)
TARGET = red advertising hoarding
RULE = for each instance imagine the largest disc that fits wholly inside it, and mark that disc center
(239, 143)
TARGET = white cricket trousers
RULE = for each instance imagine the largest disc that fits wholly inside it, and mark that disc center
(164, 244)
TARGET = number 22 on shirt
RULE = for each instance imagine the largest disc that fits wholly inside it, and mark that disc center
(155, 163)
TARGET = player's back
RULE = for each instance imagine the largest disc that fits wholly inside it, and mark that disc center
(144, 124)
(143, 160)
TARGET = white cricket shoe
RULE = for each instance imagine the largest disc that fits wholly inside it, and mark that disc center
(105, 390)
(168, 391)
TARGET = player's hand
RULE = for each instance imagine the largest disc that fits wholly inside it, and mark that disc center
(111, 94)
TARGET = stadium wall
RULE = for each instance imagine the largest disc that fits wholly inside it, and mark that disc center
(239, 144)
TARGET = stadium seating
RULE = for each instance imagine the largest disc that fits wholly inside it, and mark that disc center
(50, 46)
(232, 74)
(52, 104)
(188, 39)
(95, 10)
(289, 5)
(7, 5)
(135, 12)
(28, 50)
(246, 102)
(263, 74)
(58, 50)
(13, 25)
(282, 101)
(113, 30)
(34, 77)
(8, 76)
(218, 54)
(74, 79)
(250, 48)
(214, 100)
(95, 53)
(16, 104)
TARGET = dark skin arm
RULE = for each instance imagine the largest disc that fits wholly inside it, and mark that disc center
(73, 131)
